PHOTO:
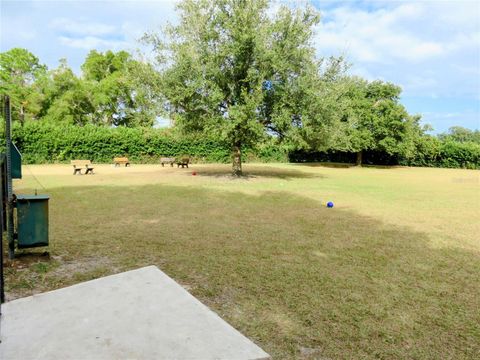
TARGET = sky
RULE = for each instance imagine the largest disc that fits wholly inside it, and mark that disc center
(429, 48)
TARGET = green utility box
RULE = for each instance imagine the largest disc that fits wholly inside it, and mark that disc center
(32, 220)
(16, 163)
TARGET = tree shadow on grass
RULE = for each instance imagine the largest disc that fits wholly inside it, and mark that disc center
(325, 164)
(254, 172)
(286, 271)
(346, 165)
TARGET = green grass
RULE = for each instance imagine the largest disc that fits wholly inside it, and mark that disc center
(391, 272)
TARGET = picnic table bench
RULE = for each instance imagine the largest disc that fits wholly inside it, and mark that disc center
(78, 165)
(121, 161)
(183, 161)
(167, 160)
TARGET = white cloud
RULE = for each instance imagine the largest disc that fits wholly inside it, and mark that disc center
(93, 42)
(401, 42)
(430, 48)
(469, 70)
(26, 34)
(74, 27)
(420, 82)
(443, 115)
(377, 36)
(444, 120)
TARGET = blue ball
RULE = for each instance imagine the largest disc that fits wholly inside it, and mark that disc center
(330, 204)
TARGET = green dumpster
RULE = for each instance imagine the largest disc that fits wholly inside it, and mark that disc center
(32, 220)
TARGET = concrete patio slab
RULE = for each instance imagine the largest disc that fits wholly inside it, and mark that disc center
(139, 314)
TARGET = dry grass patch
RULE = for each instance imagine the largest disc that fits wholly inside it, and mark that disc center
(377, 276)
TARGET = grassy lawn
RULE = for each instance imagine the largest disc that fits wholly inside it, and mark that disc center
(392, 271)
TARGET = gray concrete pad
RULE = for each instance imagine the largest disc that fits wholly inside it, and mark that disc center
(139, 314)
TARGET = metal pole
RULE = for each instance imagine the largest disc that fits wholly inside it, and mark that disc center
(2, 280)
(9, 204)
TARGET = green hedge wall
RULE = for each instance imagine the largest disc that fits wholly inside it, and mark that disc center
(454, 154)
(46, 143)
(433, 152)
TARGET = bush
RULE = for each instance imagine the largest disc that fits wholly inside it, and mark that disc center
(447, 153)
(45, 143)
(426, 154)
(454, 154)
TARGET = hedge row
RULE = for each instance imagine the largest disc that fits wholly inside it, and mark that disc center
(47, 143)
(44, 143)
(444, 154)
(447, 154)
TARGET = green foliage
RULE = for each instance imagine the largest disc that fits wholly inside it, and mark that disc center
(444, 152)
(372, 119)
(426, 153)
(461, 134)
(48, 143)
(118, 97)
(42, 142)
(226, 84)
(226, 73)
(67, 100)
(99, 66)
(268, 151)
(114, 90)
(19, 69)
(454, 154)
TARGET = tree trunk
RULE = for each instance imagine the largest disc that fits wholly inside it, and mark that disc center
(22, 115)
(359, 158)
(237, 161)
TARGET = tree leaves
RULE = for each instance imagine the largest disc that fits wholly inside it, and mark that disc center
(232, 68)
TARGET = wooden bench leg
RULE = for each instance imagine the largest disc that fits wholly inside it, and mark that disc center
(75, 171)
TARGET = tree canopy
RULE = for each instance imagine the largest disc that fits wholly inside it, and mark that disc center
(114, 89)
(242, 73)
(19, 69)
(372, 118)
(461, 134)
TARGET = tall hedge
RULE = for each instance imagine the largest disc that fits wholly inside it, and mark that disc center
(434, 152)
(46, 143)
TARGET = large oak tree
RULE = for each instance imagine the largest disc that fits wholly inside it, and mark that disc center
(237, 69)
(373, 119)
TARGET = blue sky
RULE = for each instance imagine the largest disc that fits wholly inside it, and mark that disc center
(430, 48)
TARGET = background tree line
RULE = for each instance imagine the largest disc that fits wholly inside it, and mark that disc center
(239, 75)
(111, 90)
(44, 142)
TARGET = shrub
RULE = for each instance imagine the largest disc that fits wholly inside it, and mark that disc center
(41, 142)
(47, 143)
